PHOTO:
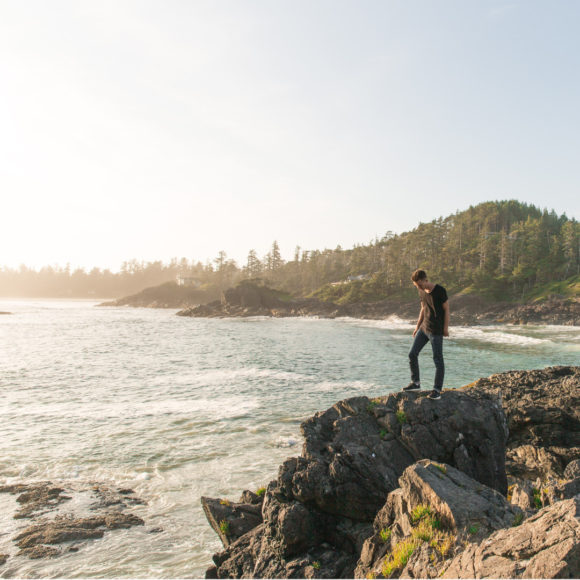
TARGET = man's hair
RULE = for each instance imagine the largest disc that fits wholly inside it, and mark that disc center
(419, 275)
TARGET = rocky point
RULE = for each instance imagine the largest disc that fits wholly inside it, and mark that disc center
(482, 483)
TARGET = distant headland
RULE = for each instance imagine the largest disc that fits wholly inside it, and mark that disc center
(500, 251)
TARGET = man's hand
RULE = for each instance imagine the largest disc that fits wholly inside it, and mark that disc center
(445, 332)
(415, 332)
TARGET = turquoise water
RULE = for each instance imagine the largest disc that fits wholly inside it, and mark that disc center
(177, 408)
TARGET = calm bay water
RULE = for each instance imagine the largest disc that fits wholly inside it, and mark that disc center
(177, 408)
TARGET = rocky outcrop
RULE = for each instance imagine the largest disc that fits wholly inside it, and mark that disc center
(231, 520)
(402, 486)
(64, 529)
(168, 295)
(55, 531)
(254, 299)
(36, 499)
(473, 309)
(252, 302)
(318, 513)
(542, 408)
(546, 545)
(436, 509)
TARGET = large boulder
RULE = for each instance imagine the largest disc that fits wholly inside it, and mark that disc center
(546, 545)
(543, 414)
(355, 451)
(438, 505)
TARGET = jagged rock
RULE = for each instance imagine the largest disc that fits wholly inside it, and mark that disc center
(317, 514)
(546, 545)
(39, 499)
(530, 462)
(572, 470)
(36, 498)
(255, 556)
(543, 413)
(107, 496)
(461, 501)
(462, 506)
(523, 495)
(66, 529)
(560, 490)
(239, 518)
(353, 455)
(350, 463)
(58, 532)
(251, 498)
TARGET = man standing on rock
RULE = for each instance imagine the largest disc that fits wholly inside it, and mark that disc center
(432, 326)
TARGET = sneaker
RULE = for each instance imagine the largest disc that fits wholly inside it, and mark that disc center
(435, 394)
(412, 387)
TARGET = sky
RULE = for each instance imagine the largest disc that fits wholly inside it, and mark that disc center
(150, 130)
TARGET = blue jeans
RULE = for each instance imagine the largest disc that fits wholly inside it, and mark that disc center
(436, 340)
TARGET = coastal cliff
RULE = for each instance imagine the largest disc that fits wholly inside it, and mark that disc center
(482, 483)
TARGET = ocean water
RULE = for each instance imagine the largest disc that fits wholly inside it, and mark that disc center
(177, 408)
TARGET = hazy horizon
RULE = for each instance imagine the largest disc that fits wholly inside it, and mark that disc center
(240, 263)
(150, 131)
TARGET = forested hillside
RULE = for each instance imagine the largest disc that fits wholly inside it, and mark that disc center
(504, 250)
(501, 249)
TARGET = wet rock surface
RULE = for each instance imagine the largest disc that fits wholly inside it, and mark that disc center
(55, 528)
(36, 499)
(402, 486)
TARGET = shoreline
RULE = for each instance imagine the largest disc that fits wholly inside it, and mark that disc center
(556, 312)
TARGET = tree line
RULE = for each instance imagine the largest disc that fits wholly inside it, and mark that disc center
(503, 249)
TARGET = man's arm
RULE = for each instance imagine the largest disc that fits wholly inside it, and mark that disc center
(420, 321)
(446, 319)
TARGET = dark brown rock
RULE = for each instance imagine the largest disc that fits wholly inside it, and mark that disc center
(324, 502)
(349, 465)
(40, 499)
(67, 529)
(543, 413)
(546, 545)
(35, 499)
(447, 454)
(238, 518)
(38, 552)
